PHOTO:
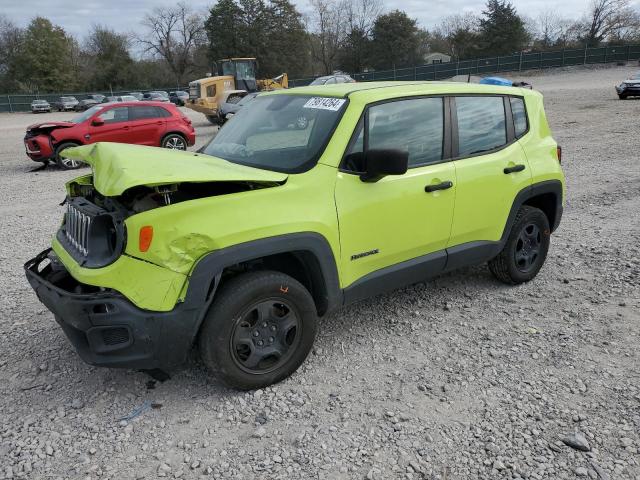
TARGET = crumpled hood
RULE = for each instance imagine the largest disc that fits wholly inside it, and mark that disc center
(48, 126)
(118, 167)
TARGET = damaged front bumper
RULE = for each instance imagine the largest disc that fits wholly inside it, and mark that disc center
(105, 327)
(38, 148)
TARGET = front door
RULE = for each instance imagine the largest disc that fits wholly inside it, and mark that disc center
(115, 127)
(396, 219)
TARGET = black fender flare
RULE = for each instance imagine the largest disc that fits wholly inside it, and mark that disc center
(532, 191)
(205, 277)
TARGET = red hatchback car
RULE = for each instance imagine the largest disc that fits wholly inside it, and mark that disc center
(156, 124)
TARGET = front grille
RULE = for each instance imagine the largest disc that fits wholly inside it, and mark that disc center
(76, 229)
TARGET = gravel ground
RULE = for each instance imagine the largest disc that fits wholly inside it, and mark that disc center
(460, 377)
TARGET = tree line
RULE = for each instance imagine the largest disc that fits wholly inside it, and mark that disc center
(177, 44)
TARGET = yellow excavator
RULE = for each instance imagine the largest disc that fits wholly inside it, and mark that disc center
(235, 78)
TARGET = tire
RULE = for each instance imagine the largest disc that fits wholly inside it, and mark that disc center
(265, 306)
(213, 119)
(174, 141)
(66, 163)
(526, 248)
(622, 97)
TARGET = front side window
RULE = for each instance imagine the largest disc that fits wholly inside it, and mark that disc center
(519, 115)
(284, 133)
(115, 115)
(481, 124)
(415, 125)
(211, 91)
(87, 114)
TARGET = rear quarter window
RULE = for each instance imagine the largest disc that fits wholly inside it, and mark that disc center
(519, 114)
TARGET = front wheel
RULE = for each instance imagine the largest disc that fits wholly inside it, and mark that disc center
(66, 163)
(259, 329)
(213, 119)
(526, 248)
(174, 141)
(622, 96)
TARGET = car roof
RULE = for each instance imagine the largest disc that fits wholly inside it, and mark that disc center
(374, 91)
(137, 103)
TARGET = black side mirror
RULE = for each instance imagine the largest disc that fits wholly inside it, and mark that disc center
(383, 162)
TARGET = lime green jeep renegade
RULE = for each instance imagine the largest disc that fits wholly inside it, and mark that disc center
(307, 200)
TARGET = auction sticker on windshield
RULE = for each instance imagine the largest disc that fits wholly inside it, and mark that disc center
(325, 103)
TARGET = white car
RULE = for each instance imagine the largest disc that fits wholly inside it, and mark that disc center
(39, 106)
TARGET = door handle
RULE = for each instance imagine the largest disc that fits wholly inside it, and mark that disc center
(125, 127)
(514, 169)
(438, 186)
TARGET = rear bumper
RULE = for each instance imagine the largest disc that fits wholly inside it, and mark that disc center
(105, 328)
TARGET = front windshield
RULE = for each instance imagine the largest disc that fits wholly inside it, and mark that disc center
(86, 114)
(67, 99)
(284, 133)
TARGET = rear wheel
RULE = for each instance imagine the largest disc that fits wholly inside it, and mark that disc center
(259, 329)
(174, 141)
(622, 97)
(526, 248)
(66, 163)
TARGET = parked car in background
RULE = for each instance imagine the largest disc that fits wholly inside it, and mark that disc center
(125, 98)
(331, 79)
(85, 104)
(98, 97)
(138, 95)
(227, 110)
(65, 103)
(629, 87)
(178, 97)
(40, 106)
(153, 123)
(157, 96)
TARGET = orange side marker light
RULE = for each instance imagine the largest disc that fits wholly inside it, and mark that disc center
(146, 236)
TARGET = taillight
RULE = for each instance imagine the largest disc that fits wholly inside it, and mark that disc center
(559, 153)
(145, 238)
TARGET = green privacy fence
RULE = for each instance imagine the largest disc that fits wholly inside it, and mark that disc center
(22, 102)
(508, 63)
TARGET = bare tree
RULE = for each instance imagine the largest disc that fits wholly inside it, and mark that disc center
(551, 29)
(327, 26)
(605, 18)
(174, 34)
(361, 14)
(459, 33)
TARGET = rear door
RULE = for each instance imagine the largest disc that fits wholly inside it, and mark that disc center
(148, 124)
(397, 218)
(491, 167)
(115, 127)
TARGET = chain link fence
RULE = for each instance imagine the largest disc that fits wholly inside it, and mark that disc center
(509, 63)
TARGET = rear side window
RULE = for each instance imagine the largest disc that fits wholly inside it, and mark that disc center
(415, 125)
(481, 124)
(148, 111)
(115, 115)
(519, 115)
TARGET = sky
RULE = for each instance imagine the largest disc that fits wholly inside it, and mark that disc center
(125, 15)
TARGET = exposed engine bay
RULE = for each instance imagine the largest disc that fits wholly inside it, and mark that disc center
(142, 198)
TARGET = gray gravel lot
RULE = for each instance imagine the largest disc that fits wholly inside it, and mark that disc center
(460, 377)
